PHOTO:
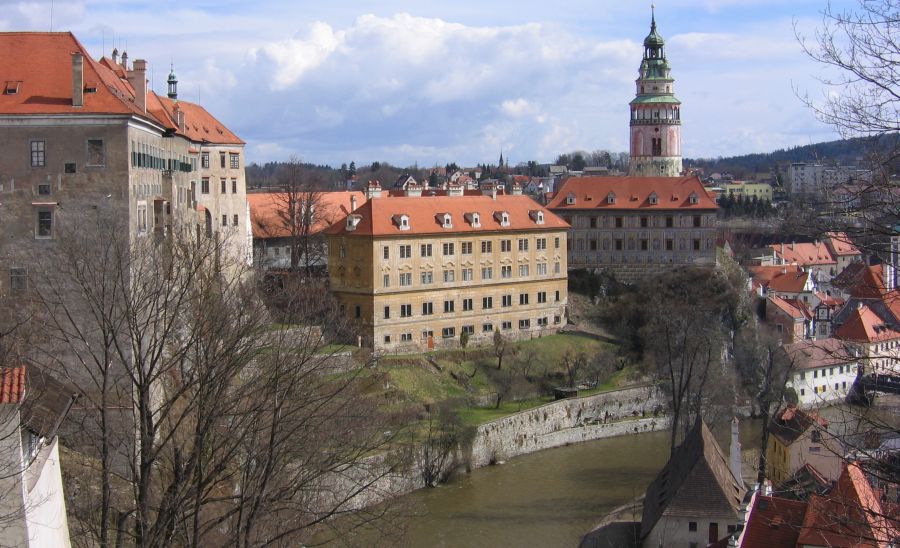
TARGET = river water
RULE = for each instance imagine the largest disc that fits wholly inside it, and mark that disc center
(549, 498)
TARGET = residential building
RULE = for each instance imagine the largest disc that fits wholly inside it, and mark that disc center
(696, 497)
(812, 257)
(798, 438)
(842, 250)
(32, 406)
(634, 226)
(417, 271)
(876, 341)
(81, 135)
(823, 371)
(814, 178)
(280, 237)
(790, 318)
(655, 114)
(749, 190)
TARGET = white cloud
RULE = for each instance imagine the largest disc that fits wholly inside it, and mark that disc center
(516, 107)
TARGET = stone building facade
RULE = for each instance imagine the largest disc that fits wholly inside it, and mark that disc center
(633, 226)
(655, 115)
(417, 271)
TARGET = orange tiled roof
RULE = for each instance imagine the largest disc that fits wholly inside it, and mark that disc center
(791, 282)
(41, 64)
(863, 325)
(773, 523)
(377, 216)
(841, 244)
(812, 354)
(789, 307)
(266, 210)
(804, 254)
(862, 281)
(12, 384)
(632, 193)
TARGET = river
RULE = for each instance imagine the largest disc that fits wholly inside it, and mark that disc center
(549, 498)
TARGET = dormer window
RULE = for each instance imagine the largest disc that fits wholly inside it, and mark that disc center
(611, 198)
(401, 221)
(693, 198)
(11, 88)
(570, 199)
(654, 199)
(502, 217)
(352, 222)
(474, 219)
(446, 220)
(538, 216)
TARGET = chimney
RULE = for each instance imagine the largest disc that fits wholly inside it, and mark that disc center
(353, 202)
(735, 452)
(179, 119)
(414, 189)
(373, 190)
(77, 79)
(138, 79)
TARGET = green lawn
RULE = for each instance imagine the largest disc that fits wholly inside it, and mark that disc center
(481, 415)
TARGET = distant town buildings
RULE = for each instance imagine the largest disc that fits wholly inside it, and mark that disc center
(807, 178)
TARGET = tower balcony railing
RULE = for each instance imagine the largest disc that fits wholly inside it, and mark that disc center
(656, 122)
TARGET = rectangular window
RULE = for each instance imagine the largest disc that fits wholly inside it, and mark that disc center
(449, 306)
(644, 222)
(487, 273)
(645, 244)
(670, 222)
(449, 276)
(427, 309)
(542, 322)
(465, 248)
(542, 269)
(43, 189)
(487, 327)
(204, 185)
(96, 154)
(234, 186)
(469, 329)
(540, 244)
(506, 326)
(507, 301)
(387, 280)
(593, 222)
(556, 242)
(427, 277)
(406, 337)
(405, 251)
(487, 246)
(405, 279)
(425, 250)
(556, 268)
(523, 298)
(506, 271)
(387, 339)
(542, 296)
(505, 246)
(619, 244)
(467, 305)
(224, 220)
(45, 223)
(467, 274)
(670, 244)
(692, 526)
(222, 160)
(619, 222)
(204, 160)
(235, 220)
(223, 186)
(235, 161)
(405, 310)
(387, 313)
(448, 248)
(487, 303)
(386, 252)
(556, 296)
(697, 220)
(523, 270)
(697, 244)
(523, 244)
(18, 279)
(38, 153)
(524, 324)
(448, 332)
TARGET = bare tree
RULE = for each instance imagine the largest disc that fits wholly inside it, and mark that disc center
(500, 347)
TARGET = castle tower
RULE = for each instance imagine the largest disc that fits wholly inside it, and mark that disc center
(655, 114)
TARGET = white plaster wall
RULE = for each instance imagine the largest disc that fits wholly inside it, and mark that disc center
(45, 509)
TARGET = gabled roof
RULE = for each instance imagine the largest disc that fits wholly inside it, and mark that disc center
(804, 254)
(268, 211)
(863, 325)
(792, 423)
(773, 523)
(812, 354)
(41, 63)
(376, 215)
(763, 275)
(790, 307)
(791, 282)
(12, 384)
(861, 280)
(840, 244)
(632, 193)
(696, 483)
(44, 400)
(851, 515)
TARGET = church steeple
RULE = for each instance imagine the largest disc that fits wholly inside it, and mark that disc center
(173, 83)
(655, 113)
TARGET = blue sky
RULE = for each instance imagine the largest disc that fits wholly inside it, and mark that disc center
(436, 81)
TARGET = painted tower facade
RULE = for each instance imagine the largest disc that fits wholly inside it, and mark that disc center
(655, 115)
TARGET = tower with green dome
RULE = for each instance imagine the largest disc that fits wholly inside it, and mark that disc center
(655, 114)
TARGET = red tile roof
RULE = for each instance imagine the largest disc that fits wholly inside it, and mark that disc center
(792, 423)
(773, 523)
(377, 216)
(792, 282)
(762, 275)
(812, 354)
(861, 280)
(863, 325)
(42, 64)
(804, 254)
(791, 307)
(267, 208)
(841, 244)
(12, 384)
(632, 193)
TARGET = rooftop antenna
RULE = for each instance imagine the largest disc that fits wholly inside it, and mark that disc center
(51, 15)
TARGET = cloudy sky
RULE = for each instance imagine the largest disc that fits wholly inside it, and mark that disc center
(432, 81)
